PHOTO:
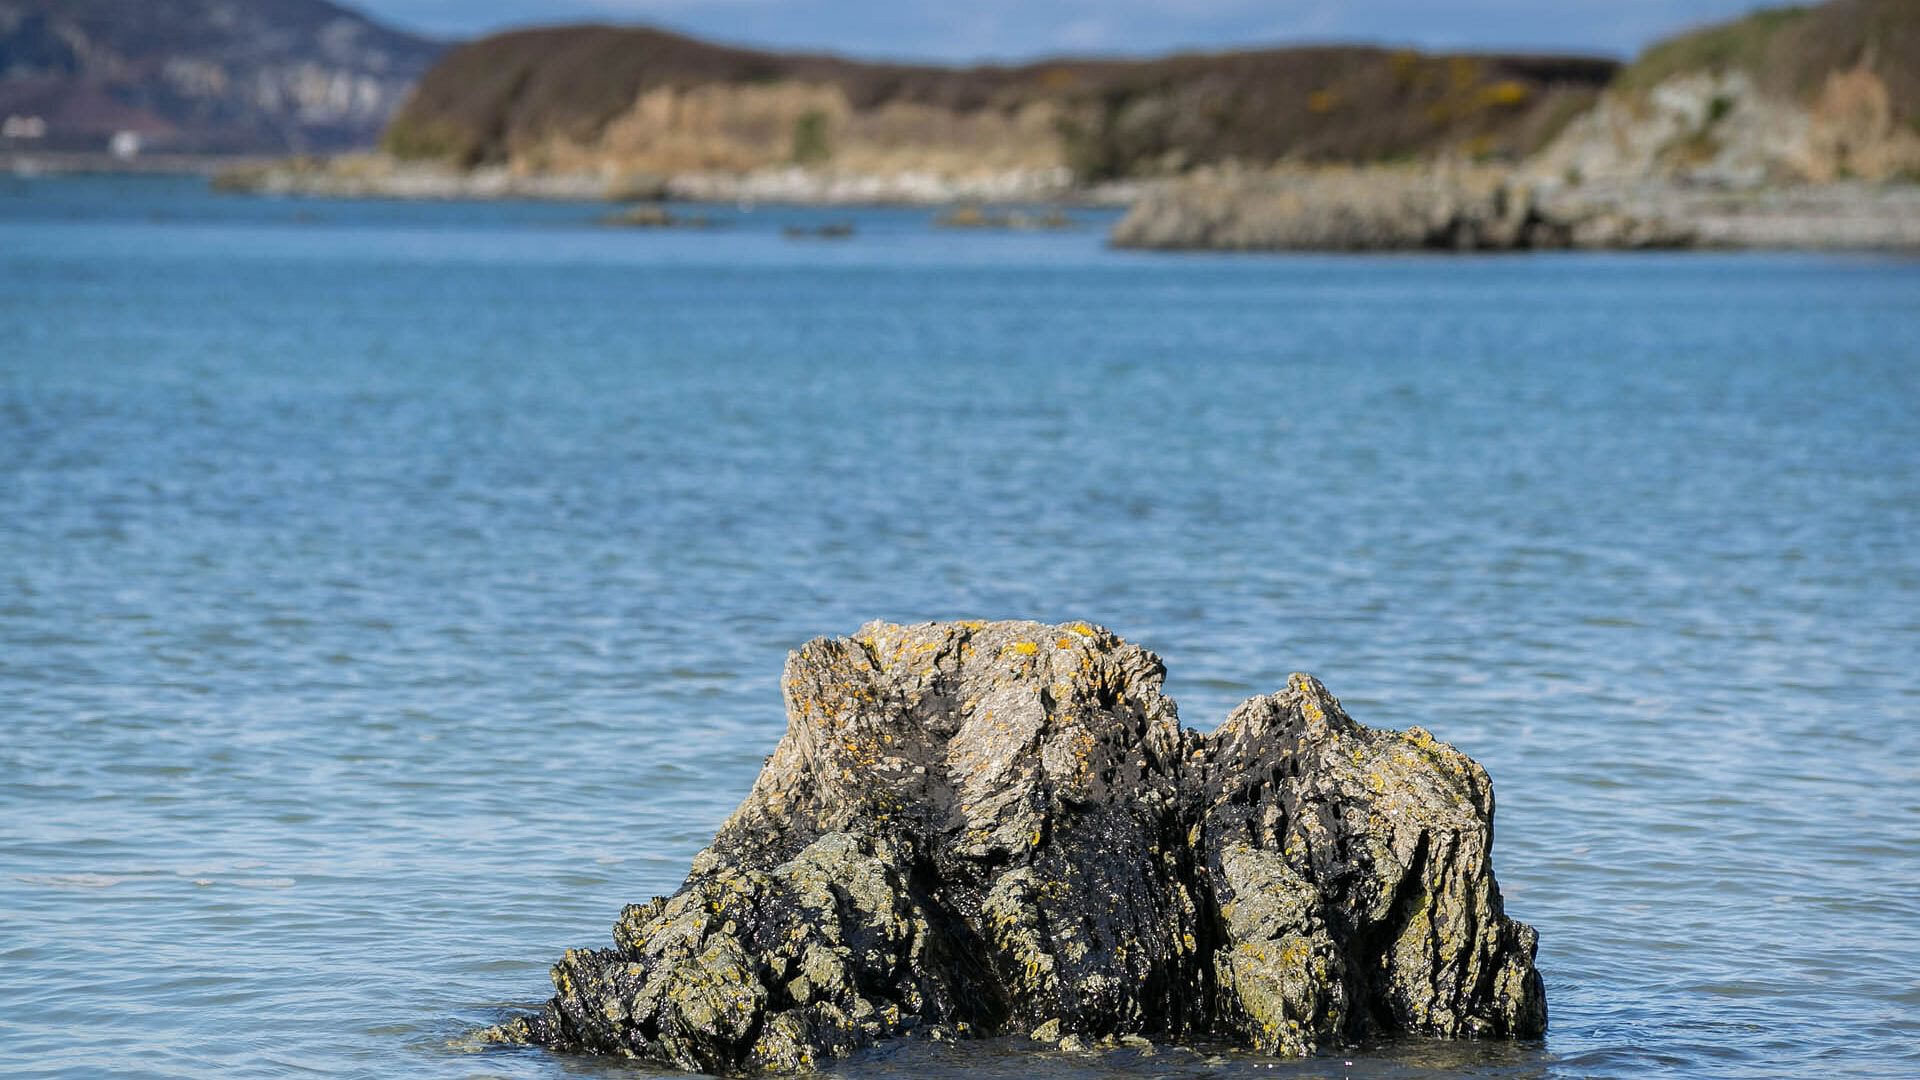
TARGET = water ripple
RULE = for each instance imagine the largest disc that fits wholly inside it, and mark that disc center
(384, 603)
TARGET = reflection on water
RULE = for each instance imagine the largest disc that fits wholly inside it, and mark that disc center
(388, 593)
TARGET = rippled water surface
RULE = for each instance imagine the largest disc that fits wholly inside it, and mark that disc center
(389, 593)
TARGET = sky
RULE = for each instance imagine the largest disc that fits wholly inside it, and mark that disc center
(974, 30)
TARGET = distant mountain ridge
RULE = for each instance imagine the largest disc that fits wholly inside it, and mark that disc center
(647, 101)
(201, 76)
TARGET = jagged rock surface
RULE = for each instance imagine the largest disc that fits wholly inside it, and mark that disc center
(987, 827)
(1389, 209)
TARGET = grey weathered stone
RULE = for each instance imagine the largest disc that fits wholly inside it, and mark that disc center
(1442, 208)
(983, 828)
(1390, 209)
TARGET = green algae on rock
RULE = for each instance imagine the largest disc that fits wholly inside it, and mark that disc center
(981, 828)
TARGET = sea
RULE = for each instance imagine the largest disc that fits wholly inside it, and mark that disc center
(389, 592)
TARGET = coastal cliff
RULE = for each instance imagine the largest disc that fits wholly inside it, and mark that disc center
(1791, 128)
(1794, 127)
(595, 111)
(646, 101)
(996, 828)
(1787, 96)
(1464, 209)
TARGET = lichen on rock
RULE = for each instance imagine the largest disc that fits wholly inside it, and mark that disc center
(984, 828)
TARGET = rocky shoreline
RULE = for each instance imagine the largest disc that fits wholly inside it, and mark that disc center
(1794, 128)
(382, 177)
(1489, 210)
(1379, 208)
(976, 829)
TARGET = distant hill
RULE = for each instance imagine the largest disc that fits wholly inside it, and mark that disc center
(644, 100)
(200, 76)
(1789, 128)
(1787, 94)
(1793, 51)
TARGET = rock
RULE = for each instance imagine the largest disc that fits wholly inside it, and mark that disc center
(1430, 208)
(832, 230)
(991, 828)
(1351, 869)
(655, 216)
(1445, 209)
(974, 216)
(384, 176)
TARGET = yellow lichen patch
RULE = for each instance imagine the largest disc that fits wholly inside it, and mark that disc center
(1024, 648)
(1063, 643)
(1507, 92)
(1081, 628)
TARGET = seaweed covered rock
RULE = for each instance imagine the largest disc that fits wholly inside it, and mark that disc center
(972, 828)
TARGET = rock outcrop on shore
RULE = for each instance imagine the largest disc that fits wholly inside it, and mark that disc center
(1407, 209)
(1462, 209)
(978, 828)
(383, 176)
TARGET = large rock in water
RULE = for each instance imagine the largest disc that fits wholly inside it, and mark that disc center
(975, 828)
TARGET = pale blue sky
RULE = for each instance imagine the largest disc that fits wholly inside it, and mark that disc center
(959, 30)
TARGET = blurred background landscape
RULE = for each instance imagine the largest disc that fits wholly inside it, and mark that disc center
(1783, 127)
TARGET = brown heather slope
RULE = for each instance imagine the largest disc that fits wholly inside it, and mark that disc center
(643, 100)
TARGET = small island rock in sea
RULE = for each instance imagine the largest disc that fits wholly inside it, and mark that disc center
(980, 828)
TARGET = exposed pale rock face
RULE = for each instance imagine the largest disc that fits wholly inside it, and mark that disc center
(753, 127)
(973, 828)
(1721, 128)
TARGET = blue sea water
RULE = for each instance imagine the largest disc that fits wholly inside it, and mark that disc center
(389, 592)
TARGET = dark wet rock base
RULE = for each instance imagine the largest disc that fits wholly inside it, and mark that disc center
(978, 829)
